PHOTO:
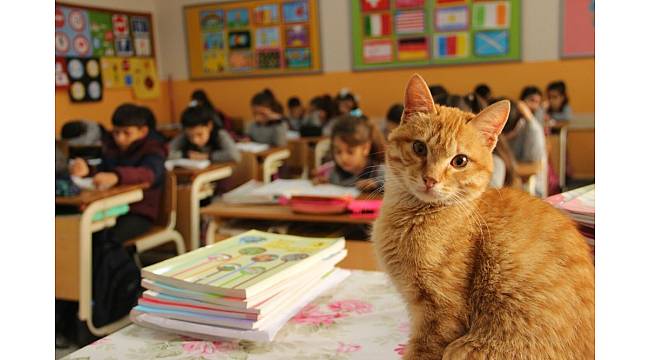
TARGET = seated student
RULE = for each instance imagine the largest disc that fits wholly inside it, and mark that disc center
(358, 149)
(130, 157)
(525, 137)
(152, 124)
(557, 106)
(296, 113)
(202, 139)
(484, 94)
(532, 97)
(82, 133)
(503, 166)
(269, 126)
(437, 90)
(393, 118)
(347, 103)
(319, 114)
(200, 98)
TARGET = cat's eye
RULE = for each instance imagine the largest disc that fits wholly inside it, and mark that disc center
(459, 161)
(419, 148)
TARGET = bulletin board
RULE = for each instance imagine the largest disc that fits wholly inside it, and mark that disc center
(578, 37)
(252, 38)
(99, 49)
(405, 33)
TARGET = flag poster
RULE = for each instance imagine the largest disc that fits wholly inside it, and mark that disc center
(398, 33)
(260, 37)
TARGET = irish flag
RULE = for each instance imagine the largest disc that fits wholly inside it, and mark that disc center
(376, 25)
(491, 15)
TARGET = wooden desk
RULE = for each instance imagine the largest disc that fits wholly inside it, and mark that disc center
(303, 153)
(360, 253)
(194, 186)
(73, 247)
(258, 166)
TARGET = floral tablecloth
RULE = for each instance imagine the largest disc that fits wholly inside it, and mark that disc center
(362, 318)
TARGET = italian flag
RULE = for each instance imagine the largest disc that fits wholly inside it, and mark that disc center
(377, 25)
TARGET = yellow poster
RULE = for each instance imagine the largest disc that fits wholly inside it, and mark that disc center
(116, 72)
(145, 78)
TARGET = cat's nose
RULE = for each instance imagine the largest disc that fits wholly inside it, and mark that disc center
(429, 181)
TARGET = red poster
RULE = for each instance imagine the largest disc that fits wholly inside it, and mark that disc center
(578, 31)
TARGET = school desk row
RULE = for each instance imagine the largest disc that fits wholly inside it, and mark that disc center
(178, 223)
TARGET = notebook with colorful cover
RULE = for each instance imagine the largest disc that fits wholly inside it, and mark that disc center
(210, 317)
(244, 265)
(257, 306)
(264, 334)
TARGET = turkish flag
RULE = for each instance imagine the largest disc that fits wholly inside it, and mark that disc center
(372, 5)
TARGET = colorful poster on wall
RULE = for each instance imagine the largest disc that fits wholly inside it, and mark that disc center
(399, 33)
(94, 49)
(266, 14)
(85, 79)
(578, 28)
(101, 32)
(296, 11)
(72, 32)
(61, 80)
(140, 28)
(116, 72)
(212, 20)
(266, 38)
(123, 42)
(145, 78)
(253, 37)
(297, 35)
(298, 58)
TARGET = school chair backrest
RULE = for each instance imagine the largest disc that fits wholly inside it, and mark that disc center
(167, 211)
(320, 151)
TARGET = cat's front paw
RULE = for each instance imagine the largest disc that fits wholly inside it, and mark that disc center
(462, 349)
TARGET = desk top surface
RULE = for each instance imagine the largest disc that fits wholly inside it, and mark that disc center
(183, 172)
(87, 197)
(269, 151)
(361, 318)
(277, 212)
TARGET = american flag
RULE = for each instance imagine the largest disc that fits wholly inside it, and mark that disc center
(409, 22)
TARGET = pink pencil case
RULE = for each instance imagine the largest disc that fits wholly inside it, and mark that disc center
(317, 204)
(364, 208)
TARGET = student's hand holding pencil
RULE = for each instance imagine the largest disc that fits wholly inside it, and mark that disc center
(78, 167)
(105, 180)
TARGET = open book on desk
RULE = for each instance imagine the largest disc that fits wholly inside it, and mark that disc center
(255, 192)
(187, 164)
(252, 147)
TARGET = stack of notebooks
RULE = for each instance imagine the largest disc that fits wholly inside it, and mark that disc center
(246, 287)
(580, 205)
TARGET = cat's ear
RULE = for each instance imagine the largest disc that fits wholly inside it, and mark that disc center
(491, 121)
(417, 97)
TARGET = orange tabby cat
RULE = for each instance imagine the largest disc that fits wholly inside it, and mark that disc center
(487, 274)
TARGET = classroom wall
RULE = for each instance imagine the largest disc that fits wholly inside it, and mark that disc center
(376, 89)
(101, 111)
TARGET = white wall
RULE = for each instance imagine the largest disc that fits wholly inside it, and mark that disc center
(540, 31)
